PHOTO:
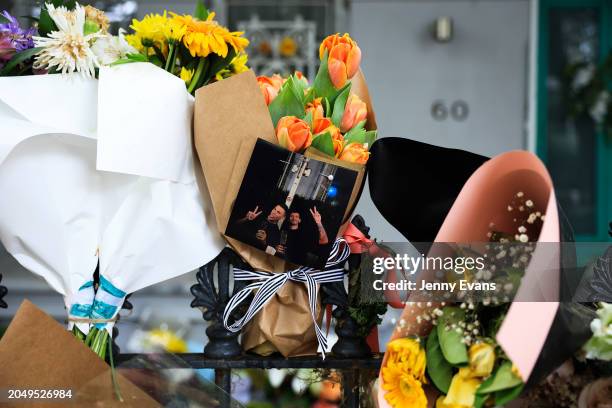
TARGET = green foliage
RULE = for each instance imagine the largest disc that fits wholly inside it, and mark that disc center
(502, 379)
(340, 104)
(19, 58)
(454, 350)
(439, 370)
(287, 103)
(201, 12)
(324, 143)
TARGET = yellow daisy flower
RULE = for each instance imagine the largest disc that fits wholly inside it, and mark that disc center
(403, 390)
(205, 37)
(150, 30)
(408, 353)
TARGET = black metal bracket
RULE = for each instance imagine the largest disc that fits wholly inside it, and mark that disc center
(212, 300)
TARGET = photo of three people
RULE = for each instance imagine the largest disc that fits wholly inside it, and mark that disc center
(290, 206)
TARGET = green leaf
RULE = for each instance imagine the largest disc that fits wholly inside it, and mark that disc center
(327, 108)
(359, 135)
(453, 349)
(502, 379)
(286, 103)
(324, 143)
(17, 59)
(300, 87)
(322, 83)
(340, 104)
(201, 12)
(439, 370)
(479, 400)
(308, 119)
(503, 397)
(129, 58)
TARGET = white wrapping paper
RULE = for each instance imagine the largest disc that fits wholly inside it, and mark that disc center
(91, 173)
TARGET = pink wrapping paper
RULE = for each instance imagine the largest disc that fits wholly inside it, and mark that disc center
(482, 200)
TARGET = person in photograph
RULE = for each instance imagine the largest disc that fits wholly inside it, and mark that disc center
(291, 243)
(268, 231)
(316, 216)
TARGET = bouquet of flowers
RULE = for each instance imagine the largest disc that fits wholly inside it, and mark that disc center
(325, 115)
(467, 347)
(196, 48)
(289, 126)
(100, 172)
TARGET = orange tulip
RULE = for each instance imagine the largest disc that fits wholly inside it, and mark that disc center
(355, 153)
(301, 77)
(355, 111)
(338, 141)
(344, 57)
(316, 108)
(293, 133)
(320, 125)
(270, 86)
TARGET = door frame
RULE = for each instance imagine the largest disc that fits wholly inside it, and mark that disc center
(604, 143)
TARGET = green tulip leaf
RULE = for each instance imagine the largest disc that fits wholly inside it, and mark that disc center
(286, 103)
(452, 347)
(340, 104)
(503, 397)
(325, 103)
(502, 379)
(439, 370)
(308, 119)
(323, 85)
(324, 143)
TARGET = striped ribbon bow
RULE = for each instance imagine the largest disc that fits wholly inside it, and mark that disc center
(269, 283)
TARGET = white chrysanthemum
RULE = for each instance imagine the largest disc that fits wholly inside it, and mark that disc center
(109, 49)
(68, 49)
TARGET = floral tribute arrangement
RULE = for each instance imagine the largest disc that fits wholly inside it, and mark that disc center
(460, 355)
(324, 115)
(197, 49)
(72, 38)
(81, 143)
(586, 92)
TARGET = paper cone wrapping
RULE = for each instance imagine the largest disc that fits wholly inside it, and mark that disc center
(482, 200)
(37, 353)
(230, 116)
(102, 171)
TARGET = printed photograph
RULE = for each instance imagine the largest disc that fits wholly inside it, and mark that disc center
(290, 206)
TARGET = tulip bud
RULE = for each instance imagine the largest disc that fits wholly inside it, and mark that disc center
(344, 57)
(355, 111)
(293, 134)
(481, 359)
(355, 153)
(316, 108)
(270, 86)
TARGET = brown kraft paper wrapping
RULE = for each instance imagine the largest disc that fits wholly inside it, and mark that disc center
(229, 117)
(37, 353)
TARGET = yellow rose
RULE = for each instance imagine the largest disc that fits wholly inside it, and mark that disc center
(462, 391)
(481, 359)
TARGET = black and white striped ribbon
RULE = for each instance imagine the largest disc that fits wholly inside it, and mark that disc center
(269, 283)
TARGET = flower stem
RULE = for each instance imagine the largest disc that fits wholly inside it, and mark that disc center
(171, 57)
(197, 75)
(113, 376)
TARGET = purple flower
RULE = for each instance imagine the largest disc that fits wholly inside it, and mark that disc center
(20, 39)
(6, 50)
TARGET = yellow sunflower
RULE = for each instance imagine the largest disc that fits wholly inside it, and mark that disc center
(204, 37)
(403, 390)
